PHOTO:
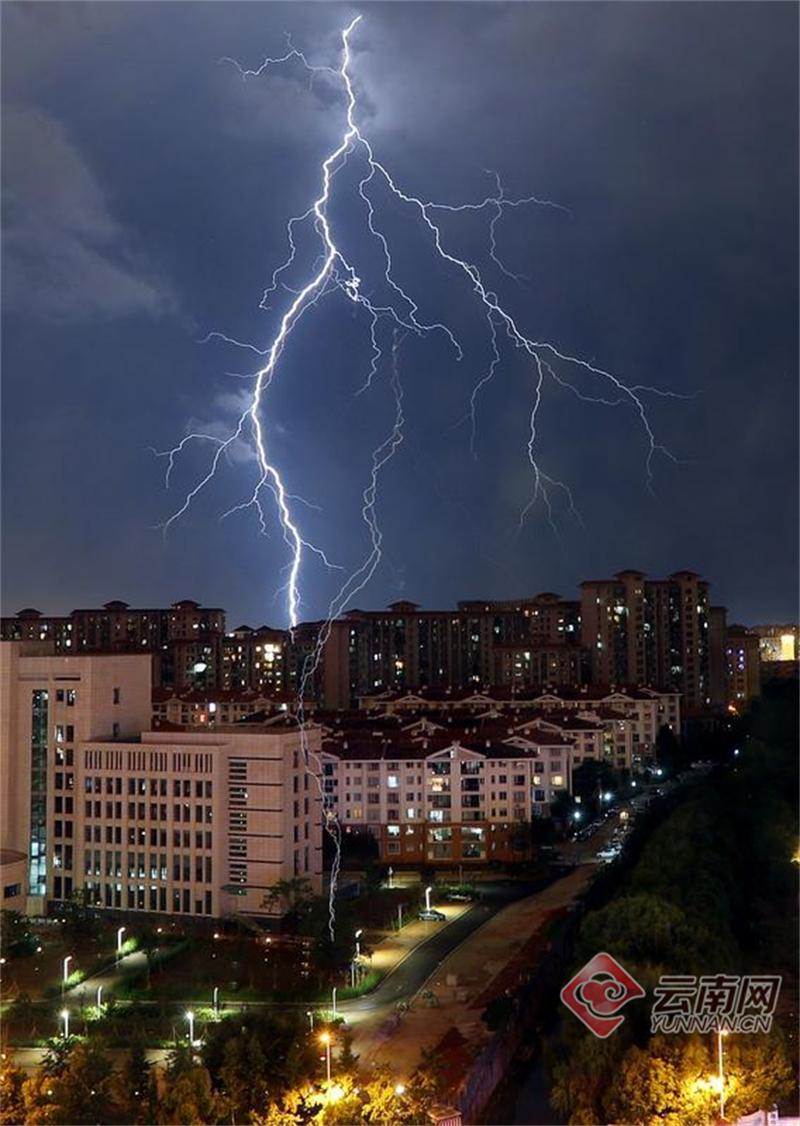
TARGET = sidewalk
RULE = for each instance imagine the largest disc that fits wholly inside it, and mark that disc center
(397, 945)
(466, 977)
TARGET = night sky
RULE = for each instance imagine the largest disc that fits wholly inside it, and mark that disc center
(146, 189)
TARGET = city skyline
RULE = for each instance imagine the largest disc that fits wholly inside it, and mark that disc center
(142, 258)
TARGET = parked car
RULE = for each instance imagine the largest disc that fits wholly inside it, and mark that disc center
(432, 916)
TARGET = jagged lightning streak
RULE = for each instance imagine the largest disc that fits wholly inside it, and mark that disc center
(356, 582)
(332, 272)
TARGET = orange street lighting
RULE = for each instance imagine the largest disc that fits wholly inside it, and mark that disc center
(326, 1040)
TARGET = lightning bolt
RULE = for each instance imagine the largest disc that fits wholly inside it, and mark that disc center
(332, 272)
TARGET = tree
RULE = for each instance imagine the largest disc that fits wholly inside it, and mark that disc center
(669, 754)
(12, 1101)
(56, 1057)
(136, 1086)
(188, 1098)
(79, 920)
(148, 942)
(562, 807)
(589, 780)
(255, 1056)
(15, 934)
(672, 1080)
(80, 1093)
(288, 897)
(243, 1076)
(348, 1060)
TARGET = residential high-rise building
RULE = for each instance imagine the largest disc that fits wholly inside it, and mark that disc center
(185, 640)
(743, 667)
(649, 632)
(530, 642)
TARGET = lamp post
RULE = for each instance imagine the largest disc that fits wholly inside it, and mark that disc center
(310, 1015)
(720, 1033)
(216, 1000)
(65, 1022)
(65, 974)
(190, 1018)
(333, 1001)
(428, 891)
(353, 974)
(399, 916)
(359, 933)
(120, 933)
(99, 998)
(326, 1040)
(391, 877)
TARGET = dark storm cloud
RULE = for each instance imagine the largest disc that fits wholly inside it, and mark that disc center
(64, 255)
(146, 188)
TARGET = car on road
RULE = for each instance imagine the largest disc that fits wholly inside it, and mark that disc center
(432, 916)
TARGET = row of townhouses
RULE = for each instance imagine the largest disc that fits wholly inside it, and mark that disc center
(199, 809)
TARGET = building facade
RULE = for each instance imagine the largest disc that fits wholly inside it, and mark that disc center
(436, 798)
(191, 822)
(743, 666)
(185, 640)
(652, 632)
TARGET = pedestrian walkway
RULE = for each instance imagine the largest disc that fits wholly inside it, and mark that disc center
(390, 951)
(463, 977)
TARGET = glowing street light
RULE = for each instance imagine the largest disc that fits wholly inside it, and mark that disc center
(428, 891)
(721, 1032)
(333, 1001)
(358, 944)
(190, 1018)
(65, 1023)
(216, 999)
(100, 998)
(400, 1089)
(65, 973)
(120, 933)
(391, 877)
(326, 1040)
(310, 1015)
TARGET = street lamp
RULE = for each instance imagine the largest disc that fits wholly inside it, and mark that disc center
(310, 1015)
(326, 1040)
(400, 1089)
(120, 933)
(391, 877)
(65, 974)
(333, 1001)
(428, 891)
(358, 944)
(65, 1022)
(190, 1018)
(100, 998)
(216, 999)
(720, 1033)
